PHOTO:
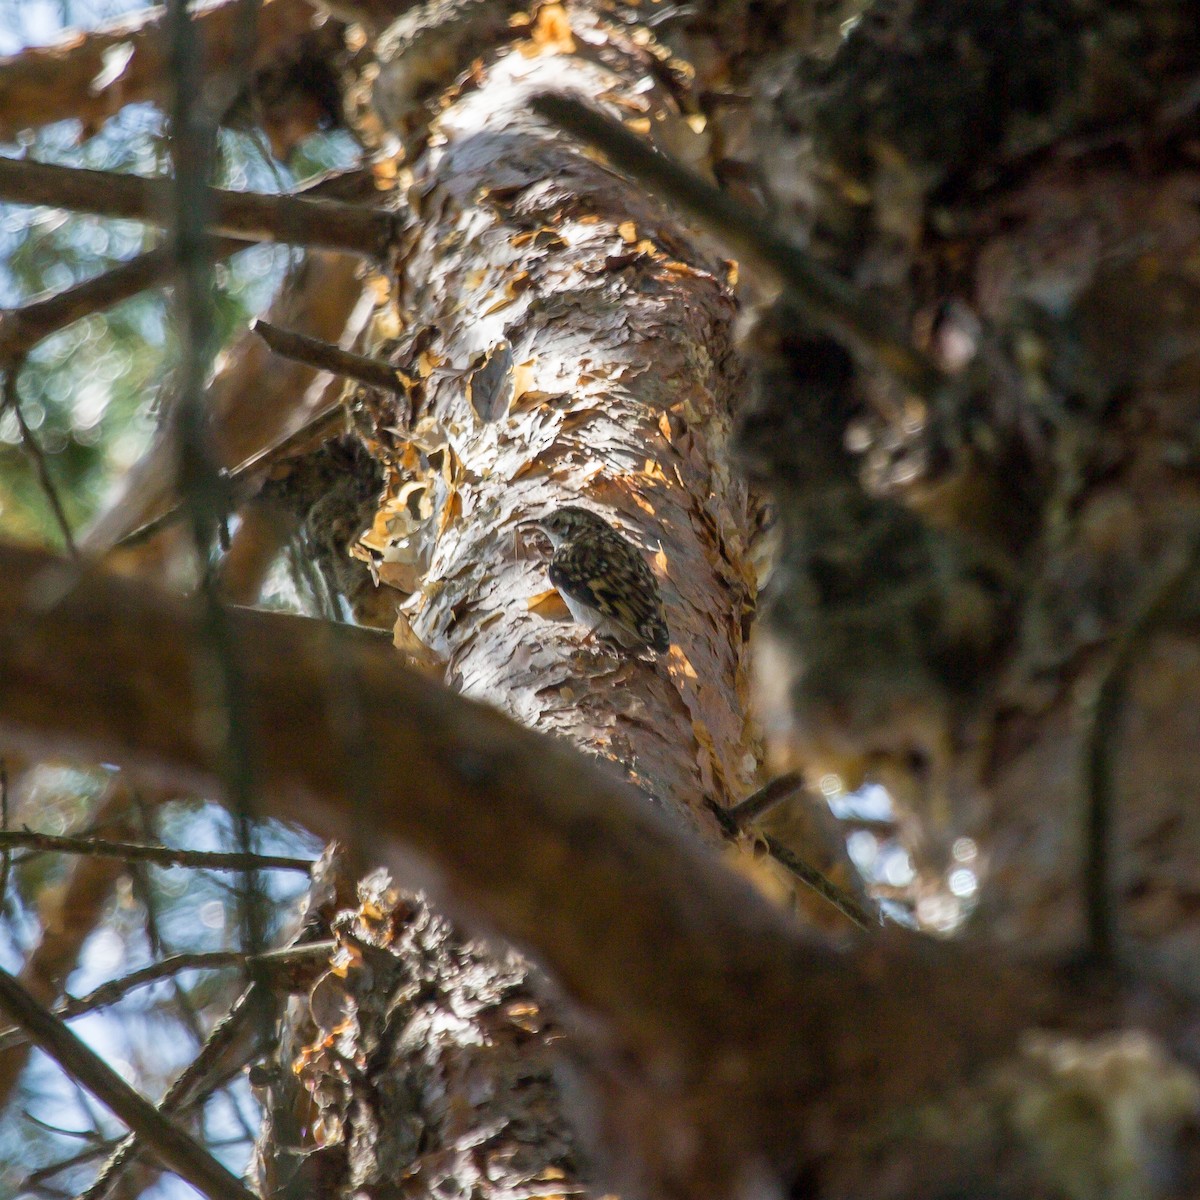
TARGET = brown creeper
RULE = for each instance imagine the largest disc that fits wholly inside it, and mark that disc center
(604, 581)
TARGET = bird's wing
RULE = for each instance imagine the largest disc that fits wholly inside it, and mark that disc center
(606, 573)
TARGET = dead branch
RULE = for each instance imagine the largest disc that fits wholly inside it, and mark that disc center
(163, 856)
(644, 928)
(91, 76)
(325, 356)
(179, 1151)
(300, 221)
(809, 875)
(282, 967)
(774, 792)
(245, 480)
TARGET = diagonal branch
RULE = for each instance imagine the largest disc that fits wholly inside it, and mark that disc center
(178, 1150)
(162, 856)
(327, 357)
(832, 303)
(251, 216)
(23, 328)
(280, 966)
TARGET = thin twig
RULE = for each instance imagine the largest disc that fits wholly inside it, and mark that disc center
(244, 481)
(34, 1180)
(820, 883)
(774, 792)
(252, 216)
(1099, 746)
(829, 301)
(327, 357)
(163, 856)
(197, 1080)
(83, 1135)
(841, 899)
(287, 965)
(175, 1148)
(12, 402)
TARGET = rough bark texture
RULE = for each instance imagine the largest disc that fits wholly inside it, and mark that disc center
(1018, 182)
(619, 397)
(566, 343)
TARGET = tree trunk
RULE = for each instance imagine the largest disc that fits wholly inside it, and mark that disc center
(569, 343)
(1015, 183)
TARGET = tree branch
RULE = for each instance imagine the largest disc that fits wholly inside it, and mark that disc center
(163, 856)
(325, 356)
(251, 216)
(773, 792)
(23, 328)
(91, 76)
(646, 930)
(817, 880)
(275, 964)
(181, 1153)
(832, 303)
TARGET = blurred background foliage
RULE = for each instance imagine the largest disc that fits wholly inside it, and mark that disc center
(92, 394)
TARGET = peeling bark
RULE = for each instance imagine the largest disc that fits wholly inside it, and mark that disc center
(619, 397)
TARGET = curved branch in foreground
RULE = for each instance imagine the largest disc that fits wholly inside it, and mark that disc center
(717, 1040)
(252, 216)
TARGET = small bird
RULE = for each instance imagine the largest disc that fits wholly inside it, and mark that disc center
(604, 581)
